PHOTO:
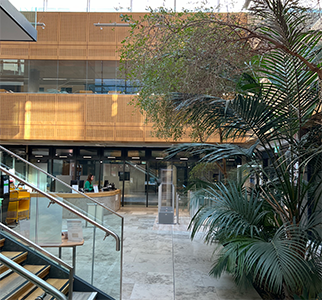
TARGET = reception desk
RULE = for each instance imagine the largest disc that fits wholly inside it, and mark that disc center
(110, 199)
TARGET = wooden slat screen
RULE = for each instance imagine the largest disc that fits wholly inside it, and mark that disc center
(73, 117)
(70, 35)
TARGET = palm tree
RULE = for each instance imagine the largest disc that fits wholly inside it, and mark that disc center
(270, 231)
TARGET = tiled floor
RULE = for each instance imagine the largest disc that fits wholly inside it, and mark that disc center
(162, 263)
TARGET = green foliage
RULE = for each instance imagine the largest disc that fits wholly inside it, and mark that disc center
(259, 83)
(169, 55)
(271, 234)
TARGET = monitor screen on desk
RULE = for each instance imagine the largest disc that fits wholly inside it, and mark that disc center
(73, 182)
(105, 183)
(81, 184)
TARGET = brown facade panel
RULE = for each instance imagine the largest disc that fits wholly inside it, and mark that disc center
(72, 117)
(102, 35)
(70, 109)
(10, 132)
(12, 109)
(16, 50)
(43, 52)
(102, 52)
(72, 52)
(100, 110)
(71, 133)
(73, 27)
(95, 133)
(37, 131)
(50, 29)
(127, 114)
(41, 108)
(129, 134)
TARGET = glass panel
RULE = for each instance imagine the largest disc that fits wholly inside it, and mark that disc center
(40, 152)
(135, 177)
(65, 171)
(112, 153)
(136, 153)
(43, 76)
(158, 154)
(88, 152)
(43, 222)
(86, 167)
(72, 77)
(154, 180)
(12, 75)
(64, 152)
(111, 174)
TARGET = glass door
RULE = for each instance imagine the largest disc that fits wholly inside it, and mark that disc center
(135, 176)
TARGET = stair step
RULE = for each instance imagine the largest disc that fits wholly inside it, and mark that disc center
(18, 257)
(59, 284)
(84, 295)
(14, 285)
(2, 242)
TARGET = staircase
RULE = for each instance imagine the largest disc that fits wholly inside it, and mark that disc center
(99, 260)
(16, 287)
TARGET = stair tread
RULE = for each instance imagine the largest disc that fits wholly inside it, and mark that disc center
(2, 242)
(17, 256)
(13, 282)
(60, 284)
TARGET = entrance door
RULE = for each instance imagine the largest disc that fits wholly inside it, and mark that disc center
(134, 175)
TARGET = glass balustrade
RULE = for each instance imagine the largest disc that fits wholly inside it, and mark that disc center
(43, 221)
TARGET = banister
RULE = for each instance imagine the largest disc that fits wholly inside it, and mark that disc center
(32, 277)
(44, 252)
(55, 200)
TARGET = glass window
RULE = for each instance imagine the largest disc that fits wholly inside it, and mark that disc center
(111, 170)
(64, 152)
(40, 152)
(136, 153)
(112, 153)
(42, 76)
(86, 167)
(12, 75)
(90, 152)
(158, 154)
(72, 77)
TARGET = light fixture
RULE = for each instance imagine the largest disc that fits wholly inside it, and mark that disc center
(135, 157)
(159, 158)
(85, 156)
(111, 157)
(183, 158)
(39, 24)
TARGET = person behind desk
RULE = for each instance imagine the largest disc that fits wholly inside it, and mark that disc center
(88, 184)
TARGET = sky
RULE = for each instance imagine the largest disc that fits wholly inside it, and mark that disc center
(121, 5)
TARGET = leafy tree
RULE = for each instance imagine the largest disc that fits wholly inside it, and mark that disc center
(179, 56)
(269, 228)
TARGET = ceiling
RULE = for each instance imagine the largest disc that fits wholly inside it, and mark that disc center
(14, 26)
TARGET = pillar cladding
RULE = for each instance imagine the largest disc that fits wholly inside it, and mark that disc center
(33, 86)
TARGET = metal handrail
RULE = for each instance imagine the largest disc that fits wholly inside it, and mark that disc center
(46, 253)
(55, 200)
(32, 277)
(57, 179)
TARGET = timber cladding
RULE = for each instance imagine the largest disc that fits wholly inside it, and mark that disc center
(71, 35)
(74, 117)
